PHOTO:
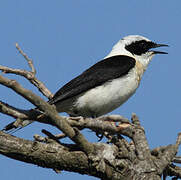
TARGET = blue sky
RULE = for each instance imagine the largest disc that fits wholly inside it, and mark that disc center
(66, 37)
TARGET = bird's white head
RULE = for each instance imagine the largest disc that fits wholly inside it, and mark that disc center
(137, 47)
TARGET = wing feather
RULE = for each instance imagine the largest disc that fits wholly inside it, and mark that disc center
(103, 71)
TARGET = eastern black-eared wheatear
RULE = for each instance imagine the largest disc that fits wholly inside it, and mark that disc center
(110, 82)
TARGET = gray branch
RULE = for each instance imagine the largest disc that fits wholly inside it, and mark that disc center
(54, 156)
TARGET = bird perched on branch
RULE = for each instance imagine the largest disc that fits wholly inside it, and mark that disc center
(110, 82)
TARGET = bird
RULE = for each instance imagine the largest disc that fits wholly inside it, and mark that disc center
(110, 82)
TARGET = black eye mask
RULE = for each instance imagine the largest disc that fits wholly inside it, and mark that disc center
(140, 47)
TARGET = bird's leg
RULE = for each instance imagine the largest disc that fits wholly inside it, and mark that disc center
(116, 121)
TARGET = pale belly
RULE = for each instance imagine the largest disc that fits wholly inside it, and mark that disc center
(105, 98)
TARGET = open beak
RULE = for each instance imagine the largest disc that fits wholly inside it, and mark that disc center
(159, 45)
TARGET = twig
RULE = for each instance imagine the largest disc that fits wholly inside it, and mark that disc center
(29, 75)
(50, 135)
(168, 154)
(47, 139)
(42, 88)
(177, 159)
(30, 62)
(12, 111)
(178, 142)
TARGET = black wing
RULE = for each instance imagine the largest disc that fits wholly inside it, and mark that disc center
(105, 70)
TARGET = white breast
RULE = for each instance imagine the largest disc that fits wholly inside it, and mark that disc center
(107, 97)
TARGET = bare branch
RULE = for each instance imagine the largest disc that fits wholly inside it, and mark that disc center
(139, 139)
(48, 139)
(177, 159)
(29, 75)
(30, 62)
(12, 111)
(53, 156)
(169, 153)
(27, 94)
(51, 112)
(103, 124)
(50, 135)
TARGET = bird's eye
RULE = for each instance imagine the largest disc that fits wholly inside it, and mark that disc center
(143, 46)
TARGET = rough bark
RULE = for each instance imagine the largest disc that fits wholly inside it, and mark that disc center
(117, 159)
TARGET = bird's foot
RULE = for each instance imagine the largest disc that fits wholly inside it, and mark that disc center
(100, 136)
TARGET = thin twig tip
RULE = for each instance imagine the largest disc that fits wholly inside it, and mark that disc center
(16, 44)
